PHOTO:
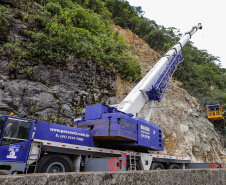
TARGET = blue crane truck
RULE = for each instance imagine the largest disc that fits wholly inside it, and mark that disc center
(107, 138)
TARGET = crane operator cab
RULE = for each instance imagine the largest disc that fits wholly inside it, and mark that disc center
(215, 112)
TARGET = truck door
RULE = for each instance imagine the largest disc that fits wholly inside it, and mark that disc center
(15, 135)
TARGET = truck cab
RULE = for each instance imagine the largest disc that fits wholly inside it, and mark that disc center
(15, 140)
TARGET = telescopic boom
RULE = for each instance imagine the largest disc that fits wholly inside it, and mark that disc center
(145, 91)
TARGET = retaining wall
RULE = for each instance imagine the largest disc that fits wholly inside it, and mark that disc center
(191, 176)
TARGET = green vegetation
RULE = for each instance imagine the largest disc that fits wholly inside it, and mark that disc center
(198, 72)
(82, 29)
(15, 53)
(5, 16)
(65, 28)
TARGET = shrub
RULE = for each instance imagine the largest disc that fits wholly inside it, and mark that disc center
(73, 30)
(53, 8)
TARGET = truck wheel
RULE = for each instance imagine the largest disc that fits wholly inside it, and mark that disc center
(174, 166)
(55, 163)
(157, 166)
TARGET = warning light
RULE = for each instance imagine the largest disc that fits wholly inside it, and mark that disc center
(11, 114)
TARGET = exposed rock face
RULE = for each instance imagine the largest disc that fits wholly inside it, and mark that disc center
(147, 56)
(186, 131)
(55, 93)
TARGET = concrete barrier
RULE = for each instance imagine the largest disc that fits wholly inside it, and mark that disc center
(186, 177)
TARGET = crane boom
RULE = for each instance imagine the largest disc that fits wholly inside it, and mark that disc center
(137, 98)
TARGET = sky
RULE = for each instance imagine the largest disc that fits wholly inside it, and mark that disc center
(183, 15)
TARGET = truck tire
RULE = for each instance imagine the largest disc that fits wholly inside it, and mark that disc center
(54, 163)
(174, 166)
(157, 166)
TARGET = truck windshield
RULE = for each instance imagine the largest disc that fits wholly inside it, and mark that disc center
(2, 122)
(16, 131)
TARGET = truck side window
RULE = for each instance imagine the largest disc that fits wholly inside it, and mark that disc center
(2, 122)
(16, 131)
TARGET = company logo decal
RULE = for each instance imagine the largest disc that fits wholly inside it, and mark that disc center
(12, 151)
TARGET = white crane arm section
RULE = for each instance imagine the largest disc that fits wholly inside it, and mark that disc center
(137, 98)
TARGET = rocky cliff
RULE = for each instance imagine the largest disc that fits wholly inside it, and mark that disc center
(60, 93)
